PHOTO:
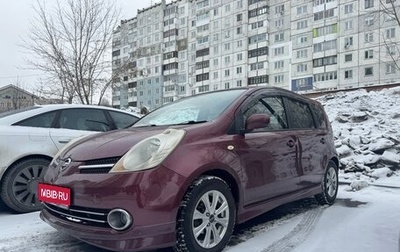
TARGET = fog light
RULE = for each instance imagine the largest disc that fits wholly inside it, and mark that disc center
(119, 219)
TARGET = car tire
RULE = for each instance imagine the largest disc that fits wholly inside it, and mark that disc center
(329, 185)
(214, 224)
(20, 183)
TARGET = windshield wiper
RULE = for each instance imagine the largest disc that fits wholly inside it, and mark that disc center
(191, 122)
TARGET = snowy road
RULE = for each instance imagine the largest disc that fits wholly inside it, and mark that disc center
(366, 220)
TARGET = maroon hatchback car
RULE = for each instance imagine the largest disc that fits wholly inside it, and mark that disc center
(186, 173)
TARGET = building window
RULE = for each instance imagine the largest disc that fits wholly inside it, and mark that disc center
(259, 11)
(227, 59)
(324, 46)
(202, 77)
(279, 37)
(227, 85)
(257, 24)
(390, 33)
(278, 64)
(301, 54)
(202, 64)
(278, 78)
(256, 66)
(348, 74)
(239, 70)
(203, 52)
(368, 71)
(280, 9)
(215, 62)
(204, 88)
(324, 30)
(301, 68)
(227, 8)
(279, 22)
(215, 75)
(324, 14)
(369, 54)
(258, 52)
(239, 83)
(348, 57)
(257, 38)
(227, 46)
(227, 73)
(302, 39)
(369, 4)
(254, 1)
(391, 50)
(258, 80)
(368, 21)
(390, 68)
(279, 51)
(302, 10)
(348, 42)
(239, 17)
(368, 37)
(348, 25)
(348, 8)
(302, 24)
(325, 61)
(325, 76)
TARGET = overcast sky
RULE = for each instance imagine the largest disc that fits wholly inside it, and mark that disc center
(15, 17)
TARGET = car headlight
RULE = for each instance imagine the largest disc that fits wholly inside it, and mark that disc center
(149, 152)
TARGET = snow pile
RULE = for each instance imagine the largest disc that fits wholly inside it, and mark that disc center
(367, 133)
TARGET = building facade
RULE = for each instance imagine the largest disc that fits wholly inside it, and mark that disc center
(186, 47)
(13, 97)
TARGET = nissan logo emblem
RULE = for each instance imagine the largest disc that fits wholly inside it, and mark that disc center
(65, 164)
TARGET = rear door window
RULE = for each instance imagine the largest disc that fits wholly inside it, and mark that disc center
(320, 119)
(301, 116)
(84, 119)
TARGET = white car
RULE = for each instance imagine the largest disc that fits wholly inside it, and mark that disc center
(30, 137)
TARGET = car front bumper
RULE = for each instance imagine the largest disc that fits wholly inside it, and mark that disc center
(151, 197)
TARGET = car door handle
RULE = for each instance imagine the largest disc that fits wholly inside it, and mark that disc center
(323, 141)
(290, 143)
(64, 141)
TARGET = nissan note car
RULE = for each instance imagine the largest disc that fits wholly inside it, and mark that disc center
(185, 174)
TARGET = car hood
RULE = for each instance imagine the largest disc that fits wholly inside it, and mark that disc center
(109, 144)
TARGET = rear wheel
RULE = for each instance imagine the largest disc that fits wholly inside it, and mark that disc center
(206, 216)
(329, 185)
(20, 183)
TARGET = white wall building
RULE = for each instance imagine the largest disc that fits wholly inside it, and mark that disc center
(192, 46)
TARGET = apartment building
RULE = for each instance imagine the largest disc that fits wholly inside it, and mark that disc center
(171, 50)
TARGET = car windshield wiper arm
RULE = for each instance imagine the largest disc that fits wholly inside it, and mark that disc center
(191, 122)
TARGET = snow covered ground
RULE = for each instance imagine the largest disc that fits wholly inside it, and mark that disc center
(365, 217)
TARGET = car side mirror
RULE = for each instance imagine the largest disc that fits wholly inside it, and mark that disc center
(257, 121)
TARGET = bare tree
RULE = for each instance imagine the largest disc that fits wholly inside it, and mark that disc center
(70, 42)
(390, 11)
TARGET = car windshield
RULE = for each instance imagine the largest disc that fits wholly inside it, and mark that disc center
(16, 111)
(195, 109)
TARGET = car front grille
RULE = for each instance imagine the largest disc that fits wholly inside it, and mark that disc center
(80, 215)
(98, 166)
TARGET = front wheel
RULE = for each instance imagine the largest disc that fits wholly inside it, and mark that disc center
(20, 183)
(329, 185)
(206, 216)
